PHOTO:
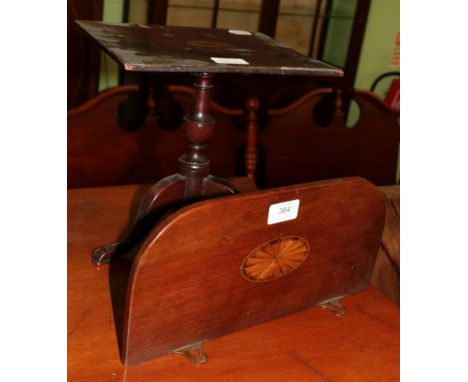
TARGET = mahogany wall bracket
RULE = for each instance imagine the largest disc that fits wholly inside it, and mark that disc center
(367, 338)
(233, 270)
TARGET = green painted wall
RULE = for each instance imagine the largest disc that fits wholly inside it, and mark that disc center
(340, 26)
(109, 70)
(113, 13)
(383, 25)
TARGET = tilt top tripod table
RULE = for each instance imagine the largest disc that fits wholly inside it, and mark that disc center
(202, 52)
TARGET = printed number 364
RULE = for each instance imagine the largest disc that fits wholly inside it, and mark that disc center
(284, 210)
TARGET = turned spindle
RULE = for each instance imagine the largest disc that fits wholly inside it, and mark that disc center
(252, 105)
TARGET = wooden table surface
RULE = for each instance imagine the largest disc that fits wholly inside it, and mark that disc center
(158, 48)
(313, 345)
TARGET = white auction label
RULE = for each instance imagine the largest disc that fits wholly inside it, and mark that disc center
(232, 61)
(240, 33)
(284, 211)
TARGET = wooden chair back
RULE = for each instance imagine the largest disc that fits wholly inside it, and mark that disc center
(296, 149)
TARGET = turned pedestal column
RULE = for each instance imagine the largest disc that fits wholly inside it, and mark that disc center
(192, 181)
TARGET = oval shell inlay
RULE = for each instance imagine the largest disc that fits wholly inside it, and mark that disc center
(275, 259)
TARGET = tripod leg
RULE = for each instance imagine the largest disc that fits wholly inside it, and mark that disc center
(168, 192)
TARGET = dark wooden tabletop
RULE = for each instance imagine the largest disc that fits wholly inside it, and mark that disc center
(157, 48)
(312, 345)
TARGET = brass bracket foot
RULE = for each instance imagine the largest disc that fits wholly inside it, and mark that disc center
(334, 306)
(193, 353)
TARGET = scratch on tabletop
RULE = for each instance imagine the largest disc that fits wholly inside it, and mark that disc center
(310, 367)
(372, 317)
(79, 322)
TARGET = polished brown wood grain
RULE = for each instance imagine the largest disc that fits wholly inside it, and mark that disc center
(386, 275)
(297, 149)
(186, 284)
(312, 345)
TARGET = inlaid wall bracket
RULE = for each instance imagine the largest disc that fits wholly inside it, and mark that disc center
(231, 269)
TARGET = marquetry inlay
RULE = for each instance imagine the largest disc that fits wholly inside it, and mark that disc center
(275, 259)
